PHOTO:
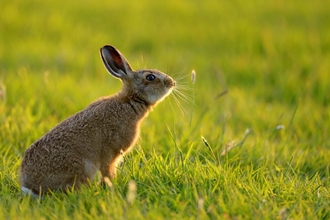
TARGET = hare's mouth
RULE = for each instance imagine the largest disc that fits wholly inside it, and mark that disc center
(156, 98)
(168, 91)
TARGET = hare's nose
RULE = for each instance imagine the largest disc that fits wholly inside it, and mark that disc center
(169, 82)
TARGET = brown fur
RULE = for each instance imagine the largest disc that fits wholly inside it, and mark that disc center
(93, 139)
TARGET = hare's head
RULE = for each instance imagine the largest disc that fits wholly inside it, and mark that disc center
(146, 85)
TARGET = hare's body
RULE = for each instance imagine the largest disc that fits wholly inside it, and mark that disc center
(95, 138)
(81, 145)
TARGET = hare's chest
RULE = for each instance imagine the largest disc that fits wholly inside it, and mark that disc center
(123, 137)
(130, 138)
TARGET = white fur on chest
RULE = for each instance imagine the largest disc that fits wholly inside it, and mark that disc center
(91, 168)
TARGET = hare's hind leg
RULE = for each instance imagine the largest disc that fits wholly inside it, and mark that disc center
(31, 192)
(74, 183)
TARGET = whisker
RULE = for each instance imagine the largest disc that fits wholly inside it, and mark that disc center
(182, 109)
(171, 105)
(183, 90)
(178, 98)
(184, 87)
(183, 96)
(181, 75)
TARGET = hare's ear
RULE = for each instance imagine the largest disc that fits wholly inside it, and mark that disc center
(115, 63)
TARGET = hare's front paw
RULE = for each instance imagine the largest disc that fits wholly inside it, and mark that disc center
(106, 182)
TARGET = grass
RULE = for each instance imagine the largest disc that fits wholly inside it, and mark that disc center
(273, 57)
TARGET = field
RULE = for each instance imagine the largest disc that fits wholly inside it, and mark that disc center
(249, 138)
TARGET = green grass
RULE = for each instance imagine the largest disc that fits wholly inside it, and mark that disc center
(273, 57)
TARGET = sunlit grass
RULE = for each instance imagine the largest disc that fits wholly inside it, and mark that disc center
(246, 138)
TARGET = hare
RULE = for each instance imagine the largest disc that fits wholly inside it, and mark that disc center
(95, 138)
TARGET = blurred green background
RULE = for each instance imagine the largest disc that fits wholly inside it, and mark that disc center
(270, 55)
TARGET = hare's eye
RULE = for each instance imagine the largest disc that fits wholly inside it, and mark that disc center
(150, 77)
